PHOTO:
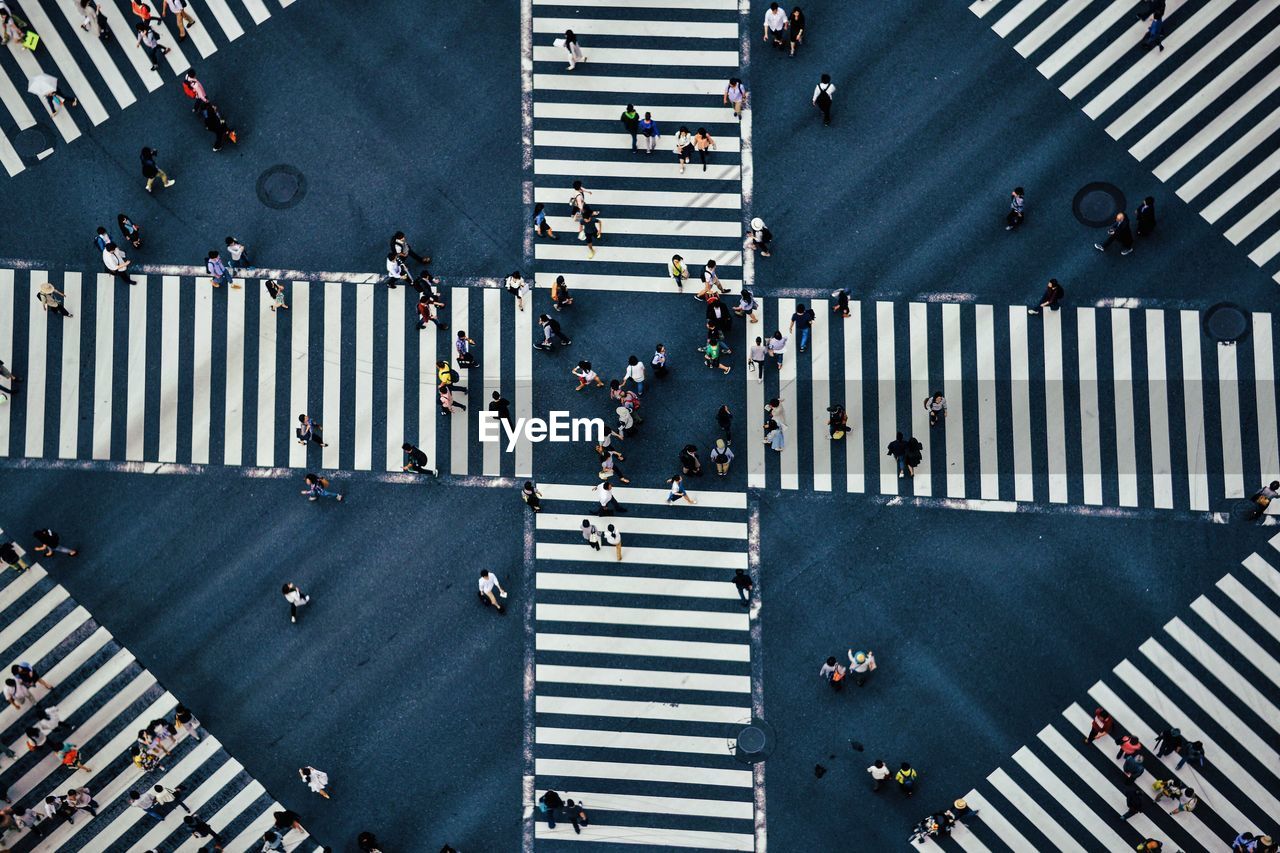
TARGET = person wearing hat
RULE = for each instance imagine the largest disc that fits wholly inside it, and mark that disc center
(861, 664)
(722, 456)
(51, 299)
(960, 811)
(759, 237)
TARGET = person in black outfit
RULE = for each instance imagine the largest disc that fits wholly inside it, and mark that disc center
(552, 803)
(1149, 9)
(151, 171)
(1053, 295)
(1118, 231)
(724, 419)
(217, 125)
(501, 408)
(199, 829)
(416, 462)
(1146, 217)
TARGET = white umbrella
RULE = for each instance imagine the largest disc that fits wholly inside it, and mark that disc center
(43, 84)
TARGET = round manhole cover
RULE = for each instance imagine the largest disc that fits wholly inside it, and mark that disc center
(1226, 323)
(751, 740)
(281, 187)
(33, 141)
(1096, 204)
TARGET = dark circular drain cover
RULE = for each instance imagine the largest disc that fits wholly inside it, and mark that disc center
(281, 187)
(33, 141)
(755, 742)
(1096, 204)
(1226, 323)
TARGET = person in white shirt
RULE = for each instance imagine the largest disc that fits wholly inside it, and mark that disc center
(488, 580)
(179, 10)
(614, 538)
(164, 796)
(397, 271)
(591, 534)
(117, 263)
(735, 95)
(878, 773)
(634, 373)
(146, 802)
(517, 287)
(317, 780)
(822, 97)
(747, 306)
(608, 502)
(775, 24)
(677, 491)
(296, 599)
(778, 347)
(16, 694)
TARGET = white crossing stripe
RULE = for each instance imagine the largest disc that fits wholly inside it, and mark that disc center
(69, 407)
(1238, 638)
(630, 85)
(1090, 417)
(1251, 604)
(647, 29)
(591, 644)
(953, 390)
(789, 459)
(756, 450)
(202, 372)
(1126, 437)
(1229, 406)
(136, 424)
(668, 114)
(490, 349)
(232, 437)
(104, 345)
(1073, 805)
(332, 400)
(624, 585)
(819, 355)
(856, 480)
(268, 419)
(524, 387)
(885, 376)
(170, 340)
(659, 556)
(36, 376)
(1039, 818)
(660, 227)
(644, 198)
(459, 420)
(629, 709)
(921, 390)
(299, 365)
(396, 313)
(599, 739)
(1223, 671)
(684, 806)
(628, 495)
(649, 616)
(644, 772)
(617, 141)
(643, 56)
(641, 678)
(364, 379)
(658, 837)
(1193, 399)
(1158, 411)
(639, 525)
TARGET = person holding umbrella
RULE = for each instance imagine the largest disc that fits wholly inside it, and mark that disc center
(46, 86)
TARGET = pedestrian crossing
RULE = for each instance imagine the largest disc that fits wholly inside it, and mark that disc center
(643, 669)
(104, 696)
(171, 371)
(1203, 112)
(102, 75)
(672, 59)
(1097, 407)
(1213, 674)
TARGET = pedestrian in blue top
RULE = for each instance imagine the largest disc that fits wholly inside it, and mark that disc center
(804, 318)
(649, 129)
(218, 272)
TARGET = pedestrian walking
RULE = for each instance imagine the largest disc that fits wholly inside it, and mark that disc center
(634, 373)
(712, 352)
(560, 296)
(47, 543)
(703, 142)
(287, 821)
(1017, 205)
(742, 582)
(11, 557)
(833, 672)
(219, 272)
(151, 171)
(296, 599)
(447, 404)
(309, 430)
(591, 534)
(612, 536)
(577, 202)
(1193, 752)
(683, 147)
(129, 230)
(275, 290)
(659, 361)
(16, 694)
(192, 87)
(93, 14)
(570, 44)
(1168, 741)
(549, 804)
(141, 9)
(488, 582)
(400, 247)
(1133, 800)
(861, 665)
(710, 282)
(397, 271)
(217, 125)
(755, 358)
(1244, 843)
(12, 378)
(149, 40)
(878, 773)
(530, 495)
(759, 237)
(46, 85)
(1052, 298)
(415, 461)
(1100, 725)
(724, 420)
(116, 262)
(585, 375)
(961, 812)
(677, 491)
(1167, 788)
(777, 347)
(201, 830)
(649, 130)
(906, 778)
(841, 307)
(775, 25)
(592, 229)
(318, 487)
(804, 318)
(795, 27)
(426, 315)
(517, 287)
(541, 227)
(747, 306)
(70, 758)
(1186, 803)
(1147, 8)
(1145, 216)
(822, 98)
(52, 299)
(689, 461)
(608, 500)
(551, 333)
(678, 271)
(500, 408)
(447, 377)
(936, 405)
(145, 802)
(631, 124)
(238, 253)
(1119, 232)
(28, 676)
(79, 799)
(316, 780)
(774, 435)
(721, 456)
(1132, 766)
(577, 815)
(1154, 36)
(735, 95)
(178, 8)
(462, 346)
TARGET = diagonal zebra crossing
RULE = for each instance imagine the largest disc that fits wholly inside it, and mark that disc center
(670, 59)
(104, 696)
(102, 74)
(1103, 407)
(172, 371)
(1213, 674)
(643, 669)
(1202, 113)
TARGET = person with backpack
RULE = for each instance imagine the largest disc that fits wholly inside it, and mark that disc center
(735, 95)
(721, 455)
(1016, 213)
(549, 804)
(551, 333)
(541, 227)
(149, 40)
(759, 237)
(308, 430)
(822, 98)
(906, 778)
(192, 87)
(447, 377)
(833, 672)
(219, 272)
(318, 487)
(631, 123)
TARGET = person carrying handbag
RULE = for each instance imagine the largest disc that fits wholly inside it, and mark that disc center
(52, 299)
